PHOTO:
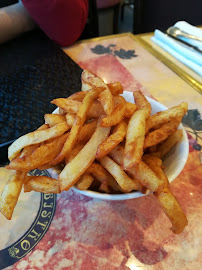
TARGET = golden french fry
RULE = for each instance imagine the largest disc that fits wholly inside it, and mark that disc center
(70, 119)
(104, 187)
(147, 177)
(167, 115)
(105, 97)
(141, 102)
(116, 88)
(117, 155)
(11, 192)
(135, 137)
(117, 115)
(172, 140)
(160, 134)
(107, 101)
(77, 148)
(124, 181)
(35, 137)
(74, 169)
(130, 109)
(71, 107)
(76, 128)
(155, 164)
(30, 148)
(43, 184)
(40, 156)
(167, 200)
(54, 119)
(87, 131)
(113, 140)
(173, 210)
(79, 96)
(99, 173)
(67, 104)
(84, 182)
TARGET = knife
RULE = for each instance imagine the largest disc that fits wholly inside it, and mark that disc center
(185, 43)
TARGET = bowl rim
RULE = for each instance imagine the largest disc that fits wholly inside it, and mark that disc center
(137, 194)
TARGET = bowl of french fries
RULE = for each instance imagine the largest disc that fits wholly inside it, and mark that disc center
(108, 144)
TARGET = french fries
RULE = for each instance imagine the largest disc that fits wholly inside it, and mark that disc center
(135, 139)
(11, 192)
(101, 142)
(84, 182)
(54, 119)
(117, 115)
(76, 167)
(35, 137)
(113, 140)
(124, 181)
(43, 184)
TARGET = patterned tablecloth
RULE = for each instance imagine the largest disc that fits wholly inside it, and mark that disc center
(89, 234)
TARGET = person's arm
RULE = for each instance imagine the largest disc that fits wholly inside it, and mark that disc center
(14, 20)
(61, 20)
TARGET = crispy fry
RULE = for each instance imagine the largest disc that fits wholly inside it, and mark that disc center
(74, 169)
(84, 182)
(167, 115)
(43, 184)
(135, 137)
(104, 187)
(155, 165)
(172, 140)
(160, 134)
(147, 177)
(167, 200)
(117, 155)
(141, 102)
(125, 182)
(113, 140)
(72, 107)
(74, 152)
(116, 88)
(54, 119)
(107, 101)
(79, 96)
(87, 131)
(130, 109)
(40, 156)
(67, 104)
(70, 119)
(30, 148)
(11, 192)
(105, 97)
(99, 173)
(173, 210)
(76, 128)
(35, 137)
(117, 114)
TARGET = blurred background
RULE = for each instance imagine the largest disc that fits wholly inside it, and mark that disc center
(108, 17)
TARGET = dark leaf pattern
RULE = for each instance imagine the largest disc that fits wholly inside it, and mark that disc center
(123, 54)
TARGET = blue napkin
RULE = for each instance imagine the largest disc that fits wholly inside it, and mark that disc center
(183, 53)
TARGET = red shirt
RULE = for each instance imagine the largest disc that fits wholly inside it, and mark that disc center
(62, 20)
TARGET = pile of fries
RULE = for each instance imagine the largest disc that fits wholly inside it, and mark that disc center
(101, 142)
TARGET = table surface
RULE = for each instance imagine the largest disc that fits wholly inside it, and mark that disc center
(93, 234)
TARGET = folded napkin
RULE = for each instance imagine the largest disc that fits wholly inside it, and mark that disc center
(183, 53)
(190, 29)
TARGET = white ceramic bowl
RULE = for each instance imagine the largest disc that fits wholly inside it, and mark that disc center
(174, 162)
